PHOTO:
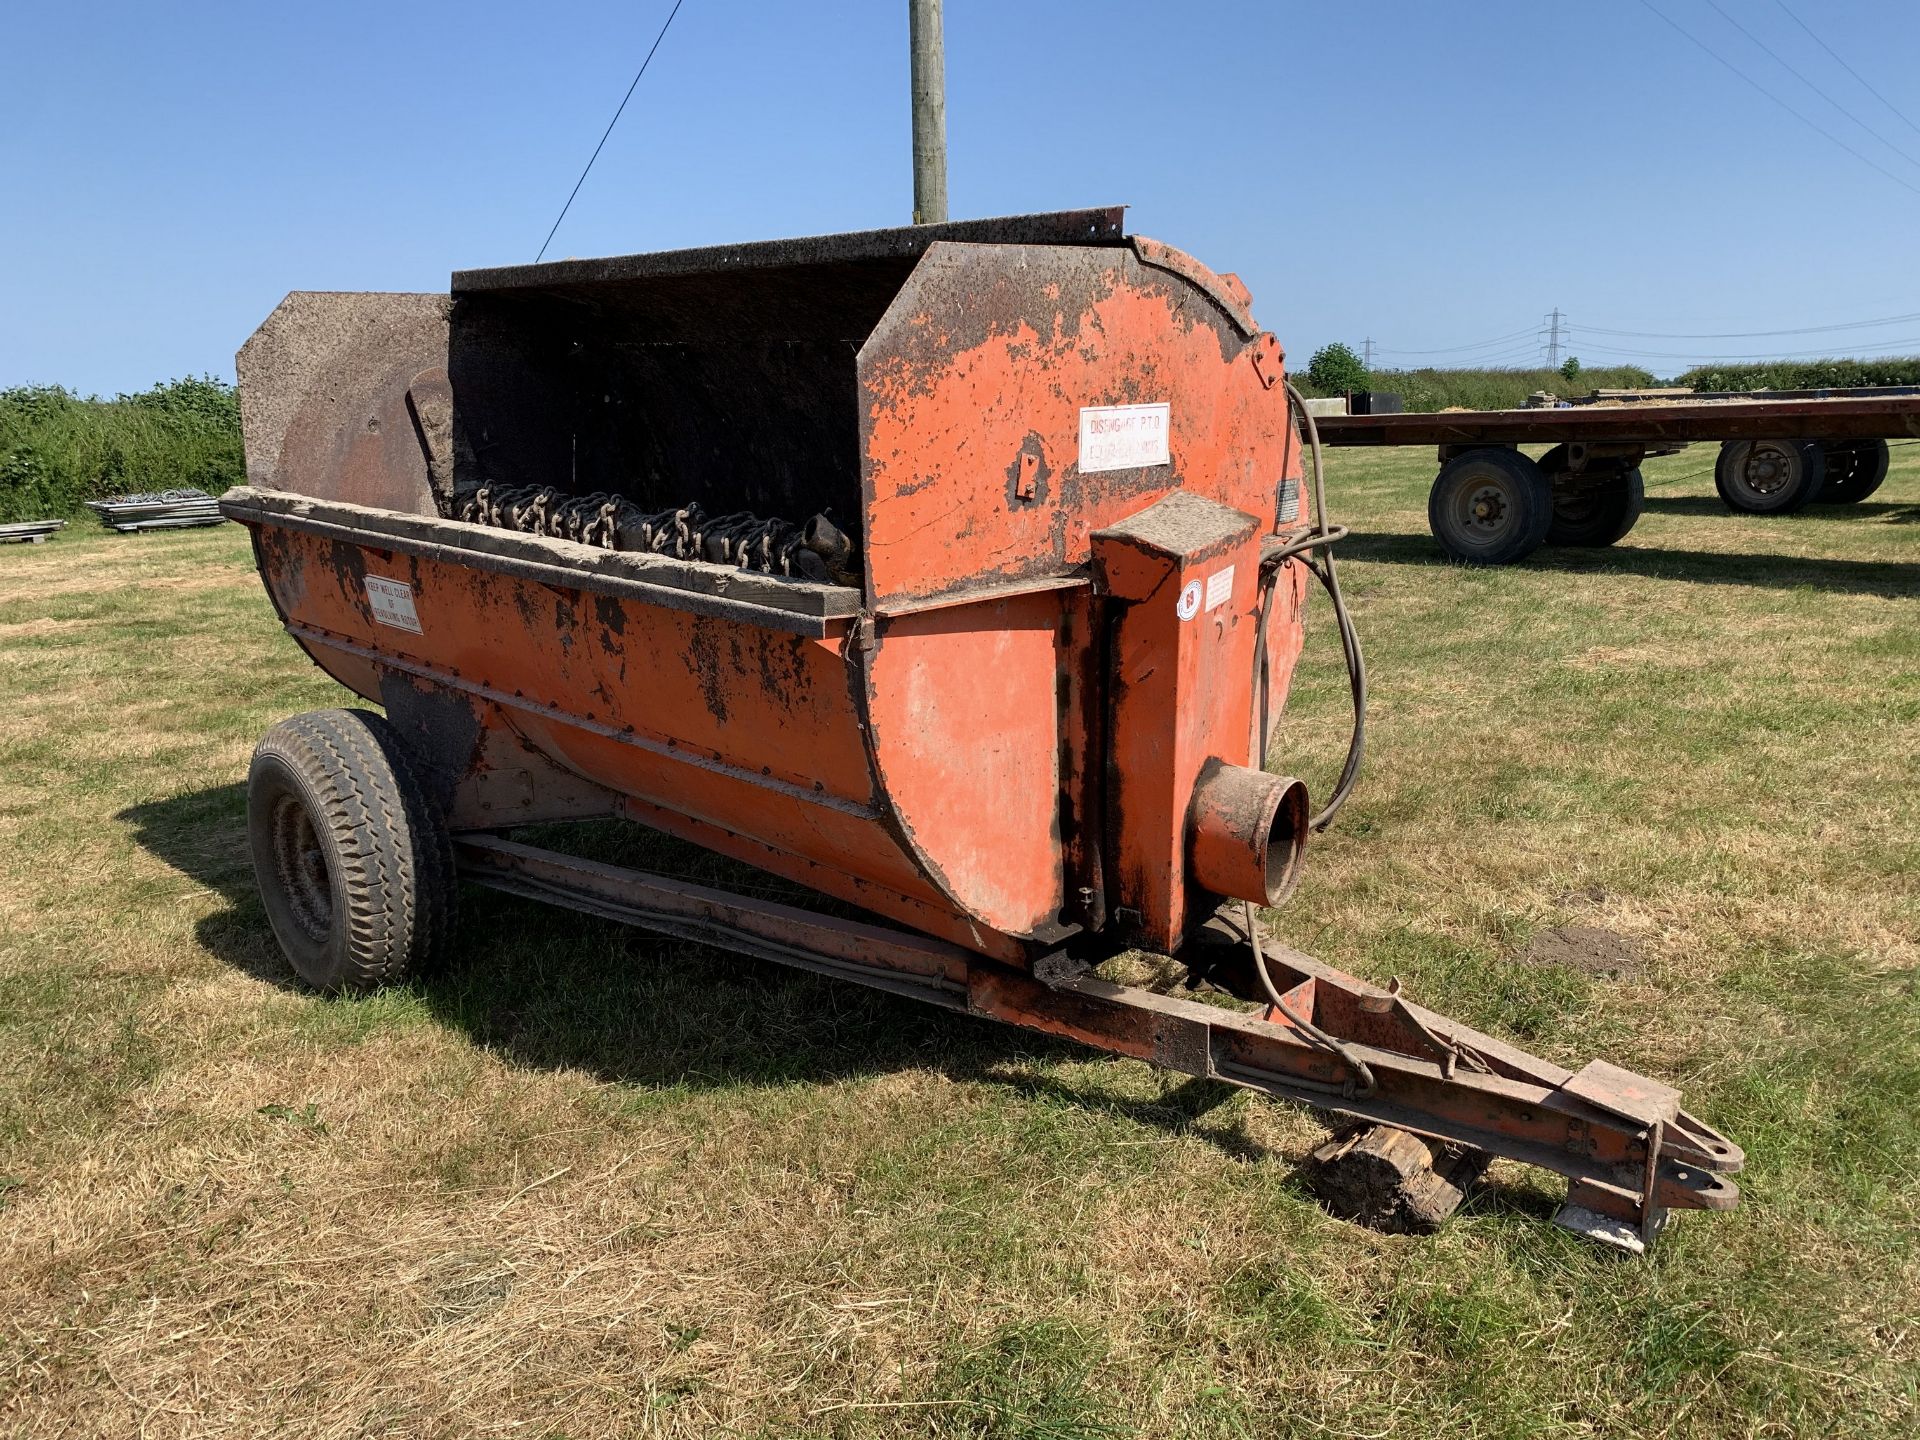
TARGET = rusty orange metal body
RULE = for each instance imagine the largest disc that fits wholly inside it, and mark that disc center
(1036, 440)
(1026, 733)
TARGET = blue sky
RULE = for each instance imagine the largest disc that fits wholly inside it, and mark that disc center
(1429, 175)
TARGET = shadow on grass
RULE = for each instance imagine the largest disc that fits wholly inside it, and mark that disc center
(1710, 505)
(1704, 567)
(549, 988)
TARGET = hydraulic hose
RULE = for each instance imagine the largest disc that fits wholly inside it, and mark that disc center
(1362, 1083)
(1317, 545)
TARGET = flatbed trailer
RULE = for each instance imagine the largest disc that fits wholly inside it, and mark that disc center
(1493, 505)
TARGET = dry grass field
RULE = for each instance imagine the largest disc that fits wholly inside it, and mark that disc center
(1660, 803)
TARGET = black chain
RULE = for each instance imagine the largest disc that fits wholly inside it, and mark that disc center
(817, 550)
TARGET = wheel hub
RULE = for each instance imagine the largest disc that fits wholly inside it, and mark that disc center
(1487, 508)
(302, 867)
(1767, 471)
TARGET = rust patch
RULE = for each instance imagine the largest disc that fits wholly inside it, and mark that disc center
(784, 675)
(284, 564)
(709, 666)
(349, 565)
(610, 613)
(441, 727)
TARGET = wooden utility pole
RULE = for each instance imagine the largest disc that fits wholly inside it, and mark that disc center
(929, 112)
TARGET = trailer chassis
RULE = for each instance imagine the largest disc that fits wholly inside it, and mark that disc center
(1491, 504)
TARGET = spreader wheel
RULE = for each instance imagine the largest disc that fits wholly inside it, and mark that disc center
(1591, 510)
(1769, 477)
(354, 864)
(1490, 507)
(1855, 469)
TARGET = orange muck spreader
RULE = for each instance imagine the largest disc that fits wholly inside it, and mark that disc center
(954, 572)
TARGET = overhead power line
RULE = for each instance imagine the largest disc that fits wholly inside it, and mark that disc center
(1849, 69)
(1752, 334)
(1474, 345)
(1530, 360)
(1535, 343)
(1489, 362)
(1499, 360)
(1812, 125)
(1782, 62)
(1882, 347)
(609, 130)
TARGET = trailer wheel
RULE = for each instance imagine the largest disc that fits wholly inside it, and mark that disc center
(354, 865)
(1769, 477)
(1490, 507)
(1855, 469)
(1590, 514)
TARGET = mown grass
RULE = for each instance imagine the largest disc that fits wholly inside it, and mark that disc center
(594, 1183)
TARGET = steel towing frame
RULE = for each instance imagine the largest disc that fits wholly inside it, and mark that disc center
(1629, 1153)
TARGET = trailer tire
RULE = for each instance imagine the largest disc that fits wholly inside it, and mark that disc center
(1490, 507)
(354, 864)
(1855, 469)
(1588, 516)
(1769, 477)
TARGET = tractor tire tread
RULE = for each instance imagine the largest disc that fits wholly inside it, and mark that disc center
(1866, 474)
(1529, 486)
(395, 870)
(1803, 492)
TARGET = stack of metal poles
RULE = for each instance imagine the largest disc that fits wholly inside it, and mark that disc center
(161, 510)
(29, 532)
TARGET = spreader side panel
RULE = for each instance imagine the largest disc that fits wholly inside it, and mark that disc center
(1017, 398)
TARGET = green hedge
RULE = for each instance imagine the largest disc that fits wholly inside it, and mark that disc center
(1428, 390)
(58, 450)
(1803, 374)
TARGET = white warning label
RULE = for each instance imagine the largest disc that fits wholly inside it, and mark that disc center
(392, 603)
(1219, 588)
(1188, 605)
(1123, 437)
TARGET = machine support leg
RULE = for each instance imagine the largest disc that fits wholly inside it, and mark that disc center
(1393, 1180)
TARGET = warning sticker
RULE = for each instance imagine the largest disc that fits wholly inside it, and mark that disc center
(1189, 602)
(392, 602)
(1123, 437)
(1219, 588)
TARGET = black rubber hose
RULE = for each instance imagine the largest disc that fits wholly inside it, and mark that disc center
(1363, 1082)
(1317, 545)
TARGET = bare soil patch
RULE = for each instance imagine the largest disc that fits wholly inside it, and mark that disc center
(1591, 949)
